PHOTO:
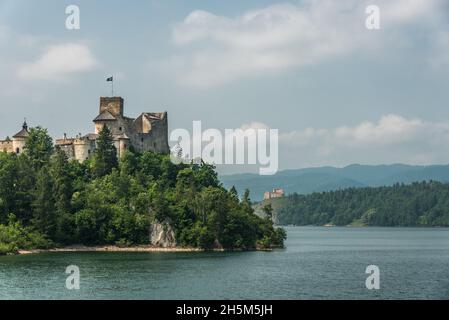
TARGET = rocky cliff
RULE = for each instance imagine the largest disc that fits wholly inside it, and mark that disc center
(162, 235)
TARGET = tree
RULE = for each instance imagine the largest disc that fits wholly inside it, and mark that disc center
(129, 163)
(268, 210)
(39, 147)
(24, 183)
(62, 193)
(8, 175)
(246, 201)
(234, 193)
(44, 218)
(105, 157)
(101, 202)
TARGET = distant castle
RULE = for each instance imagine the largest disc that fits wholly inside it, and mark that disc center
(148, 132)
(277, 193)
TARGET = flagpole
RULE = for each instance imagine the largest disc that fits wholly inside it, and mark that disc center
(111, 79)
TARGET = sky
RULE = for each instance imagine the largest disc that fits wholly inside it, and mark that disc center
(338, 92)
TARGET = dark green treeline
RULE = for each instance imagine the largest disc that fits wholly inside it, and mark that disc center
(46, 201)
(417, 204)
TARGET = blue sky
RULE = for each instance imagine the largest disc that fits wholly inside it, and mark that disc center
(337, 92)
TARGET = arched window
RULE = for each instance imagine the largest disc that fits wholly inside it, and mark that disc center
(18, 150)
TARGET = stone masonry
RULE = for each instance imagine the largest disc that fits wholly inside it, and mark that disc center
(148, 132)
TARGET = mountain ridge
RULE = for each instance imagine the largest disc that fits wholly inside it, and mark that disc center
(328, 178)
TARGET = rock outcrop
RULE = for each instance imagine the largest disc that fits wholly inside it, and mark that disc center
(162, 235)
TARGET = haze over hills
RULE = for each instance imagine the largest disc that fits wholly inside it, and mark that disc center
(309, 180)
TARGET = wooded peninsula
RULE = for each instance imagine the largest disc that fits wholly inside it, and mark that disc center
(47, 201)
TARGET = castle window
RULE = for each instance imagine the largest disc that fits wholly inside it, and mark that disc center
(18, 150)
(142, 140)
(120, 128)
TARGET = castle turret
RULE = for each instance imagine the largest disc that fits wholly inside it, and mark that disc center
(19, 139)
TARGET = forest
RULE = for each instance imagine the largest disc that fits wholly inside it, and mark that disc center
(47, 201)
(418, 204)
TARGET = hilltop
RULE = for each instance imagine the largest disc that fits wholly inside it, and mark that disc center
(420, 204)
(310, 180)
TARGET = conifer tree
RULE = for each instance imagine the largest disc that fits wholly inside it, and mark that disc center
(234, 193)
(44, 218)
(39, 147)
(62, 193)
(105, 158)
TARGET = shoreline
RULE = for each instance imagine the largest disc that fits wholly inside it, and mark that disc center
(116, 249)
(362, 227)
(142, 249)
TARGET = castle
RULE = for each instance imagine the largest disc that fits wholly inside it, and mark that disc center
(277, 193)
(148, 132)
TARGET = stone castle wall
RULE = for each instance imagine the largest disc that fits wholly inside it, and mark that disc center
(6, 146)
(149, 132)
(115, 105)
(18, 145)
(83, 149)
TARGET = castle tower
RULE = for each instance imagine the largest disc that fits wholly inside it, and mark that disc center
(114, 105)
(19, 139)
(149, 132)
(123, 145)
(111, 115)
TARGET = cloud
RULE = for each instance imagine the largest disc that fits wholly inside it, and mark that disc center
(59, 62)
(216, 49)
(391, 139)
(390, 129)
(254, 126)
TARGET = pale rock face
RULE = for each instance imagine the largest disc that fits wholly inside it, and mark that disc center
(162, 235)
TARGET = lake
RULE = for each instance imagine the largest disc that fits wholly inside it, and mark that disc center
(318, 263)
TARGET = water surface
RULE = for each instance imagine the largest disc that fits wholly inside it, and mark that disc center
(319, 263)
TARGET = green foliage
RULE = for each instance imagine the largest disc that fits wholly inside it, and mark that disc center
(417, 204)
(14, 237)
(103, 202)
(39, 146)
(268, 210)
(105, 157)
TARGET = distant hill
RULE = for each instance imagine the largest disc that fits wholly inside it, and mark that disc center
(420, 204)
(309, 180)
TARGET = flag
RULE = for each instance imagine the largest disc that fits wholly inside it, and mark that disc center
(110, 79)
